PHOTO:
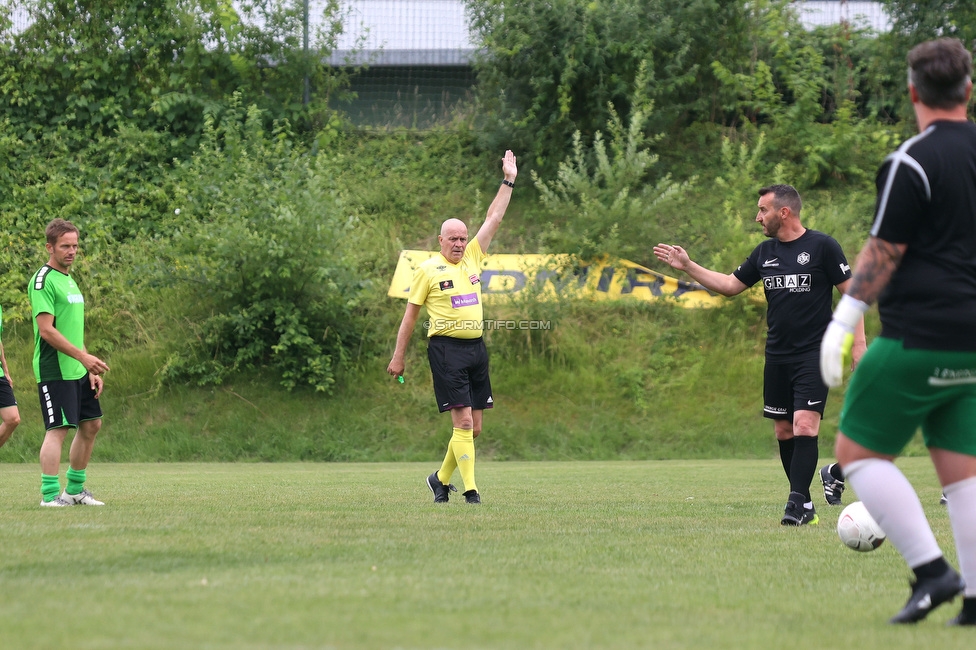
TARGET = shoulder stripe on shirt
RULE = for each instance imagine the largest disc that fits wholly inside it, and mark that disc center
(39, 279)
(897, 158)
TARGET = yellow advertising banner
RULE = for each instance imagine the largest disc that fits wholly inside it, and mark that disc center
(549, 276)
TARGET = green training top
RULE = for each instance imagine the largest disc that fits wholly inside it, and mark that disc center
(55, 293)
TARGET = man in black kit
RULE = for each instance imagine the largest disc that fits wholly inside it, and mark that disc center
(919, 264)
(798, 268)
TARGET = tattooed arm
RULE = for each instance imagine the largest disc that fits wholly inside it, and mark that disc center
(875, 265)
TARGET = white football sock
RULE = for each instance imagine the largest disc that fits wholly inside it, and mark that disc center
(962, 514)
(893, 503)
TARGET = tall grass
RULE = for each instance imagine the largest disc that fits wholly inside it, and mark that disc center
(627, 381)
(607, 381)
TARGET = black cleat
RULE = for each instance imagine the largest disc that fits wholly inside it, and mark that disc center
(441, 492)
(833, 488)
(929, 594)
(472, 496)
(943, 500)
(809, 517)
(796, 515)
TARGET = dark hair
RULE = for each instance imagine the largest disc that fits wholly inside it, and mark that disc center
(786, 195)
(56, 228)
(939, 70)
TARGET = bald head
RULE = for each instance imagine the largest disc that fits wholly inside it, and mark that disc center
(452, 224)
(453, 240)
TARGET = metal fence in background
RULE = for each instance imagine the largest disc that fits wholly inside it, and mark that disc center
(817, 13)
(18, 15)
(419, 54)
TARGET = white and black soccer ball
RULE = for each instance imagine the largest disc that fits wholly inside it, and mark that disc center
(858, 529)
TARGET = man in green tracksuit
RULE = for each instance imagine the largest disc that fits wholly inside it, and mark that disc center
(69, 380)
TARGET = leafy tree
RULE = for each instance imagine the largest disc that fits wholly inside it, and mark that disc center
(914, 22)
(921, 21)
(551, 68)
(807, 107)
(92, 66)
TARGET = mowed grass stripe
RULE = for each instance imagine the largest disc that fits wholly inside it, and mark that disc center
(655, 554)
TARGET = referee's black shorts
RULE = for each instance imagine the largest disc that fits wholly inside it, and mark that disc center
(460, 371)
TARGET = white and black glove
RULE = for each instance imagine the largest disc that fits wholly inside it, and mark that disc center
(835, 349)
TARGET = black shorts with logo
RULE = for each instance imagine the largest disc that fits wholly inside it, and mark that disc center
(67, 402)
(460, 371)
(793, 386)
(6, 394)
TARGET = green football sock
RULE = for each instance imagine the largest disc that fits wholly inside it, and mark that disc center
(50, 487)
(76, 481)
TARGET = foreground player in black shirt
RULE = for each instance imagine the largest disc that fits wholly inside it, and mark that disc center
(799, 269)
(920, 265)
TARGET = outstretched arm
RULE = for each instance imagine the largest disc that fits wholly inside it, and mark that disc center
(677, 258)
(496, 211)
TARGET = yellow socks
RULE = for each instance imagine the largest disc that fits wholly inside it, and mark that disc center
(462, 442)
(446, 471)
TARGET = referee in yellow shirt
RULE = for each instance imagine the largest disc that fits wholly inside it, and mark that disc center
(449, 284)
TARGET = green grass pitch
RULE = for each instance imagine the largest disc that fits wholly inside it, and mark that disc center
(655, 554)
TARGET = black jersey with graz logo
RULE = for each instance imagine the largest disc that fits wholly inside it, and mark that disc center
(798, 279)
(927, 200)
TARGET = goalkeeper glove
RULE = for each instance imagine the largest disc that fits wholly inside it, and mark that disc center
(835, 349)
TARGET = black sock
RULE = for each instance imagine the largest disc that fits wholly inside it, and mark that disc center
(836, 471)
(932, 569)
(786, 455)
(804, 466)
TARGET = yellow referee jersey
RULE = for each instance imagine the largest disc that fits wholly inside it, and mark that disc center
(452, 293)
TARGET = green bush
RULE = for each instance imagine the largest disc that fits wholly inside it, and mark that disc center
(261, 240)
(601, 201)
